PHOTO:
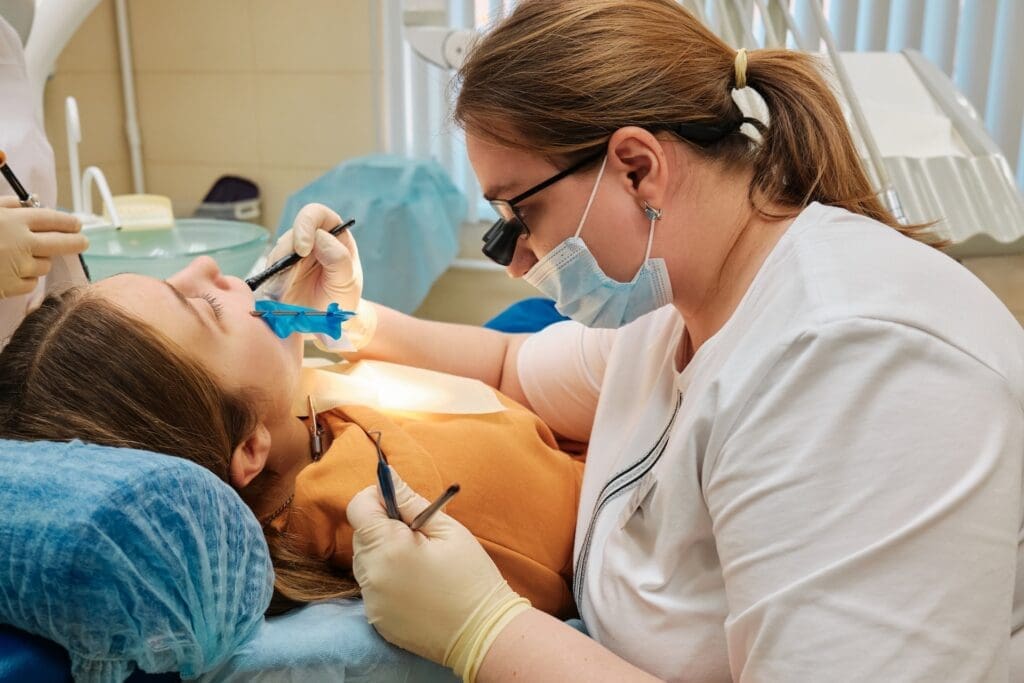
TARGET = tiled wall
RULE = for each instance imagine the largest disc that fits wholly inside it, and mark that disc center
(276, 91)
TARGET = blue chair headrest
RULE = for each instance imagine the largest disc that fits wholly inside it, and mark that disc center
(127, 558)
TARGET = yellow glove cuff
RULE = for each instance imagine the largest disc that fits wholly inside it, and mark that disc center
(479, 632)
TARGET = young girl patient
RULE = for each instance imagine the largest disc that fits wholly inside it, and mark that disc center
(181, 367)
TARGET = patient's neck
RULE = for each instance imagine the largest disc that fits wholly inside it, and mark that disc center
(289, 453)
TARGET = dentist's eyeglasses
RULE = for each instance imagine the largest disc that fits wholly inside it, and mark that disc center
(500, 239)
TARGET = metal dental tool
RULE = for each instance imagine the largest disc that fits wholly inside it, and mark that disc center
(427, 513)
(287, 262)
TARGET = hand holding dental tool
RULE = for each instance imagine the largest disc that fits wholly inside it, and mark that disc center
(387, 490)
(434, 592)
(328, 272)
(29, 241)
(285, 262)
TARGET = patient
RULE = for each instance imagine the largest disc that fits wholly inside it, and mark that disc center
(180, 367)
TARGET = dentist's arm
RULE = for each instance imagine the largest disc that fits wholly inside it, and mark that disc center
(437, 593)
(330, 272)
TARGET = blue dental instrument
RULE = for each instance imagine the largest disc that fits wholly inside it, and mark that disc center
(288, 261)
(286, 319)
(387, 485)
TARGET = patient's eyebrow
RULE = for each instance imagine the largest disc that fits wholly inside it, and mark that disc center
(184, 302)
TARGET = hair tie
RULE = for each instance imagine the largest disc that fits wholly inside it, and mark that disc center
(741, 68)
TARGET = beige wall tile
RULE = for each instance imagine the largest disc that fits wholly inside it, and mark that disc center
(94, 45)
(209, 36)
(99, 110)
(198, 118)
(314, 119)
(314, 36)
(277, 183)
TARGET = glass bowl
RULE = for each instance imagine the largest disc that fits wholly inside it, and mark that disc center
(160, 253)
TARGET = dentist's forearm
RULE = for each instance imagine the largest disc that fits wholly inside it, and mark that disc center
(538, 647)
(464, 350)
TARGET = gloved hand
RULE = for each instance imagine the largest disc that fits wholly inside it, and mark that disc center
(29, 239)
(435, 591)
(329, 271)
(333, 275)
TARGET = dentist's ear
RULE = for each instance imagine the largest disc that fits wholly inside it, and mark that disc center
(250, 457)
(640, 158)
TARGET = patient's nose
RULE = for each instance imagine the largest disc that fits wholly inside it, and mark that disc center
(202, 269)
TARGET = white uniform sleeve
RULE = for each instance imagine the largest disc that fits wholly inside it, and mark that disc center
(866, 507)
(561, 369)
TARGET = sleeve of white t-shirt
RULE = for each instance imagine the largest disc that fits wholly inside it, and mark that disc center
(561, 369)
(866, 507)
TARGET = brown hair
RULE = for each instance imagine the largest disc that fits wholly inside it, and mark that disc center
(81, 368)
(566, 75)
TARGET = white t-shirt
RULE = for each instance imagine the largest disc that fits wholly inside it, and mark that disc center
(832, 488)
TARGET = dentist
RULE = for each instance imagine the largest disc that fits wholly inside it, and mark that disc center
(805, 423)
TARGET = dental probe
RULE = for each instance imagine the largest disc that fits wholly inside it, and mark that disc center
(288, 261)
(427, 513)
(27, 200)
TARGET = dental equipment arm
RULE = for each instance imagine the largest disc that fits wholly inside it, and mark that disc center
(428, 32)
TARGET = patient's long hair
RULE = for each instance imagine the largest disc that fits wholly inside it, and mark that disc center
(561, 77)
(81, 368)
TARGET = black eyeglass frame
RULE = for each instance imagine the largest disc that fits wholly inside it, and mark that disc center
(500, 239)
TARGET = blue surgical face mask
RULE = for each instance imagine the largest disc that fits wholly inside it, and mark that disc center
(571, 276)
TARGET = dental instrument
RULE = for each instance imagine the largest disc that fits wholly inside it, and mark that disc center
(316, 431)
(288, 261)
(387, 486)
(287, 319)
(427, 513)
(28, 200)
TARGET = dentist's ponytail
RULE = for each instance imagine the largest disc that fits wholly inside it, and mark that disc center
(558, 78)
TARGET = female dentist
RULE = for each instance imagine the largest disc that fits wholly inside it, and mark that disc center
(805, 422)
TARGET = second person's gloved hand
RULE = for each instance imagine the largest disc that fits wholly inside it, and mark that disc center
(29, 240)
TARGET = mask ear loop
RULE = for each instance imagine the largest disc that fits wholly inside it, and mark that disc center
(593, 193)
(650, 243)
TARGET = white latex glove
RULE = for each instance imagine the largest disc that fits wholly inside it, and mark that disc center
(435, 591)
(329, 271)
(29, 239)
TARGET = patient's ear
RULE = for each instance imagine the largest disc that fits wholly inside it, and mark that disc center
(250, 457)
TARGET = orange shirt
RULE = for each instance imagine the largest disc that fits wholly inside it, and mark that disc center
(519, 491)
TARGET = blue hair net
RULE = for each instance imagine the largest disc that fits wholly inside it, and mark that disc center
(127, 559)
(409, 213)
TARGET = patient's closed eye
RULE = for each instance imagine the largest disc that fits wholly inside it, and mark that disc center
(218, 308)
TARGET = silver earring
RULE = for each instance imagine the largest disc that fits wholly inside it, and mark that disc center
(652, 213)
